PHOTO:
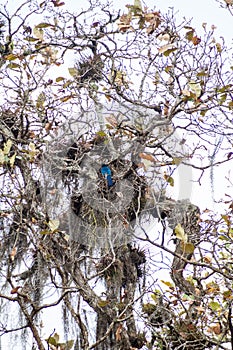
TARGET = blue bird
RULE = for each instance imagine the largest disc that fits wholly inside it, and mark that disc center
(106, 172)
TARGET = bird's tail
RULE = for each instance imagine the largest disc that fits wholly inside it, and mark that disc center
(109, 179)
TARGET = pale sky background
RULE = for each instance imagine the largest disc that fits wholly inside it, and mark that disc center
(202, 11)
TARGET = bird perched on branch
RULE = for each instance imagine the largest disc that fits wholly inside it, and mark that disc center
(106, 172)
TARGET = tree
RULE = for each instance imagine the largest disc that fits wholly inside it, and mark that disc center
(147, 97)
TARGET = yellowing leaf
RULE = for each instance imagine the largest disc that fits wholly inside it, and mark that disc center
(73, 71)
(195, 88)
(10, 57)
(54, 224)
(7, 147)
(214, 305)
(32, 151)
(180, 234)
(13, 65)
(66, 98)
(38, 32)
(219, 47)
(169, 179)
(168, 284)
(176, 160)
(2, 157)
(103, 303)
(187, 247)
(43, 25)
(40, 100)
(12, 160)
(59, 79)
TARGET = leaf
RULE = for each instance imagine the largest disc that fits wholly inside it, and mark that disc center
(38, 32)
(180, 234)
(147, 156)
(12, 160)
(168, 284)
(176, 160)
(7, 147)
(195, 40)
(31, 39)
(169, 51)
(187, 247)
(169, 179)
(52, 341)
(219, 47)
(137, 4)
(216, 329)
(10, 57)
(53, 224)
(40, 100)
(2, 157)
(43, 25)
(112, 120)
(227, 295)
(118, 332)
(195, 87)
(103, 303)
(32, 151)
(66, 98)
(13, 253)
(59, 79)
(15, 290)
(69, 344)
(73, 71)
(166, 47)
(214, 305)
(13, 65)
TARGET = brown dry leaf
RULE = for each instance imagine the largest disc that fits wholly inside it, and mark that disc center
(147, 157)
(15, 290)
(124, 23)
(13, 253)
(111, 120)
(166, 47)
(48, 126)
(216, 329)
(118, 332)
(196, 40)
(154, 19)
(166, 108)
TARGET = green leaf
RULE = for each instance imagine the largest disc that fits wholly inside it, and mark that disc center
(180, 234)
(214, 305)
